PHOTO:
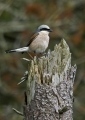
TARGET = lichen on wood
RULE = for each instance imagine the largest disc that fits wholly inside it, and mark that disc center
(50, 86)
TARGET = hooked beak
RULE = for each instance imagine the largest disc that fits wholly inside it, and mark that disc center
(50, 30)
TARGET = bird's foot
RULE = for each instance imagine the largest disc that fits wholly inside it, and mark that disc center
(45, 54)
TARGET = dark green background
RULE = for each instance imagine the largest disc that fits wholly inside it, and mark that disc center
(19, 19)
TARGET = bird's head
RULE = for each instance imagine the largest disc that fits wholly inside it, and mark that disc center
(44, 28)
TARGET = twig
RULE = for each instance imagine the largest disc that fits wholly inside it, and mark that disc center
(25, 59)
(18, 112)
(21, 82)
(23, 78)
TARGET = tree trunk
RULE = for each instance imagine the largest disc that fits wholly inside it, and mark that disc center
(50, 86)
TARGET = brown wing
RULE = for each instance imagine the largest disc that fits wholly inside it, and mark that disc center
(32, 38)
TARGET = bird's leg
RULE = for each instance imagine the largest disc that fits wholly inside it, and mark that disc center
(37, 57)
(30, 56)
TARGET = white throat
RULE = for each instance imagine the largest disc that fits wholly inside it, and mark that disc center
(44, 32)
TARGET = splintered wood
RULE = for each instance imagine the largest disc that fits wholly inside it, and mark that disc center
(50, 86)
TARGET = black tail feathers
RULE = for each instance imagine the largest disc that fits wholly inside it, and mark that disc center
(9, 51)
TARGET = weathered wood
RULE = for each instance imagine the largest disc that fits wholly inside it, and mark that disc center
(50, 86)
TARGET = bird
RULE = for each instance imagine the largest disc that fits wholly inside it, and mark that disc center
(38, 43)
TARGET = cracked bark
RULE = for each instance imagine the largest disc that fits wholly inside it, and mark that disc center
(50, 86)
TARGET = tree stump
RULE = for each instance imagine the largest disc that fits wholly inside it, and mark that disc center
(50, 86)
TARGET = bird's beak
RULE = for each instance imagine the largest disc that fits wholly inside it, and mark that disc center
(50, 30)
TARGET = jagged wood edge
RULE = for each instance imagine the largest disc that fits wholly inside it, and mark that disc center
(50, 69)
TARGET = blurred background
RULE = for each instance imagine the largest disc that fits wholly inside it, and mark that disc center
(19, 19)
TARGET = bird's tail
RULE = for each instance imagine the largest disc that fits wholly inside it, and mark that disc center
(23, 49)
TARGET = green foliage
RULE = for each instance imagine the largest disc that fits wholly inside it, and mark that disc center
(6, 16)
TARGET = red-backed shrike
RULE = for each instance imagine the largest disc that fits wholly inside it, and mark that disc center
(38, 42)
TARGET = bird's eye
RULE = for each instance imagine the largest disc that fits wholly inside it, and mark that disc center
(44, 29)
